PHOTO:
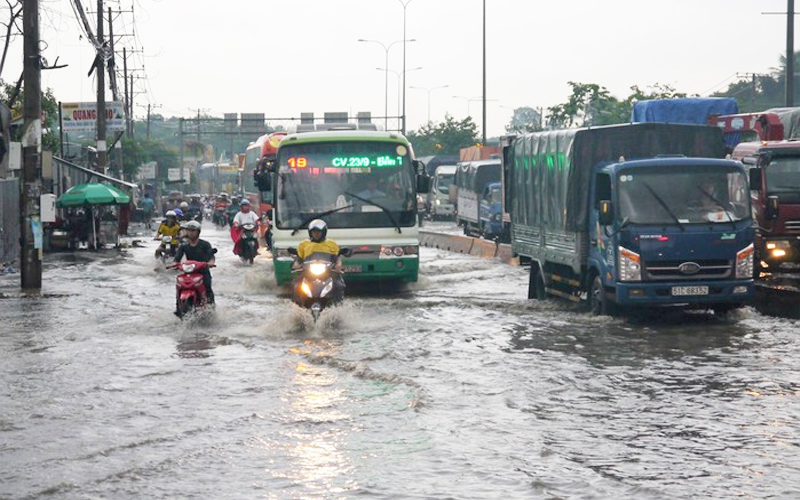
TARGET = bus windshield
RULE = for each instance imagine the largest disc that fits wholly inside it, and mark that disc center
(356, 184)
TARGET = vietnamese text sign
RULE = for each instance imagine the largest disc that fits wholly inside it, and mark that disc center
(82, 116)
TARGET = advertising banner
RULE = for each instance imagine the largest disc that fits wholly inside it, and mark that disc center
(82, 116)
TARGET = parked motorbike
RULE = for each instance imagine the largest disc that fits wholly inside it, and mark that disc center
(318, 285)
(190, 287)
(248, 242)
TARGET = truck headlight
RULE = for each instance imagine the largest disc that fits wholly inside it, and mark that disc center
(778, 249)
(630, 265)
(744, 262)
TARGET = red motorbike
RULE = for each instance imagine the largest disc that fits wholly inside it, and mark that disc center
(191, 290)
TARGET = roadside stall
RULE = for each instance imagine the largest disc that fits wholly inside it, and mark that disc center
(93, 200)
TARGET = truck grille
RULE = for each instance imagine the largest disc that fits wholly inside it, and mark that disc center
(671, 270)
(793, 226)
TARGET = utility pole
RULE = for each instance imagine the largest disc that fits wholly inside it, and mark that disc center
(148, 122)
(30, 257)
(128, 122)
(483, 133)
(102, 153)
(790, 54)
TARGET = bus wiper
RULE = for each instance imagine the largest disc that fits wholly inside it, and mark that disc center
(319, 216)
(666, 207)
(385, 210)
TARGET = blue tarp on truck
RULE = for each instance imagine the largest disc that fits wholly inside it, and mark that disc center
(689, 110)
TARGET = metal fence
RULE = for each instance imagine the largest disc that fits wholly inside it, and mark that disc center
(9, 220)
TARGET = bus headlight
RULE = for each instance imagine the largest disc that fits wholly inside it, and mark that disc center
(630, 265)
(744, 262)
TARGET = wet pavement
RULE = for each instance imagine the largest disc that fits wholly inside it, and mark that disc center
(458, 387)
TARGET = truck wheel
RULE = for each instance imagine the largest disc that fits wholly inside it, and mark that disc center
(536, 288)
(599, 305)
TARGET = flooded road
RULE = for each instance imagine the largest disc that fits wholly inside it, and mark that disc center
(458, 388)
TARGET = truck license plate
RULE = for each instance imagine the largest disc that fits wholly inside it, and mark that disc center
(689, 290)
(351, 269)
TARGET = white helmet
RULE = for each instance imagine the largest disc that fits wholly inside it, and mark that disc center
(192, 225)
(318, 224)
(171, 213)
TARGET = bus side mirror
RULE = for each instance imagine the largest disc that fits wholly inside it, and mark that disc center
(606, 210)
(423, 183)
(772, 207)
(755, 179)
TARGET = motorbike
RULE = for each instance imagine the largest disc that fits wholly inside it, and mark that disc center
(318, 285)
(220, 217)
(190, 287)
(169, 250)
(248, 243)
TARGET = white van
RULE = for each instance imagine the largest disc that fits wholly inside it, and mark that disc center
(439, 204)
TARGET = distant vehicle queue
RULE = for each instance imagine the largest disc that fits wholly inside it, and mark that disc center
(642, 214)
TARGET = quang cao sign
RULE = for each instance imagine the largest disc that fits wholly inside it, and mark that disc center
(82, 116)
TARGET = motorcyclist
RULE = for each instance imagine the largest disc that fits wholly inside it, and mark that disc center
(196, 249)
(169, 227)
(220, 209)
(195, 209)
(318, 242)
(244, 216)
(233, 208)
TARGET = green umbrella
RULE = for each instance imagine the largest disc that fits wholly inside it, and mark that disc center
(92, 193)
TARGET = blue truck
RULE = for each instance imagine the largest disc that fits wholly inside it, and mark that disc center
(644, 214)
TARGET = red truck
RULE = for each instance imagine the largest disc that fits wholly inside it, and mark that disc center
(775, 195)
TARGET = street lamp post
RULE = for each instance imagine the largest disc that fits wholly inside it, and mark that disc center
(469, 100)
(386, 78)
(399, 90)
(429, 90)
(404, 3)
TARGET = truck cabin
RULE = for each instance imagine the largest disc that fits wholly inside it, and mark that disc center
(775, 168)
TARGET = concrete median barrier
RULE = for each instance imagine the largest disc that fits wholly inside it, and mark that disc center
(478, 247)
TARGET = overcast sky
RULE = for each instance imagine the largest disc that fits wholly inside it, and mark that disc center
(291, 56)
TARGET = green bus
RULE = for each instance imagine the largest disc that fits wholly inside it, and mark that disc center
(364, 185)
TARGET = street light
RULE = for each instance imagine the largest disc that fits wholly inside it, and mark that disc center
(386, 84)
(399, 74)
(405, 3)
(429, 90)
(469, 100)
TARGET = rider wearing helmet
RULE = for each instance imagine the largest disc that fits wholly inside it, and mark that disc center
(318, 242)
(169, 227)
(244, 216)
(196, 249)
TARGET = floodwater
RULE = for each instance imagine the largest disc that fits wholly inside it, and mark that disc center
(456, 388)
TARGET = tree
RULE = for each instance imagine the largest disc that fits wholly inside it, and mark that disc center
(444, 138)
(591, 104)
(525, 119)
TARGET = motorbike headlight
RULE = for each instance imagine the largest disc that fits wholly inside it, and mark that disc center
(306, 289)
(744, 262)
(630, 265)
(327, 289)
(188, 268)
(317, 268)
